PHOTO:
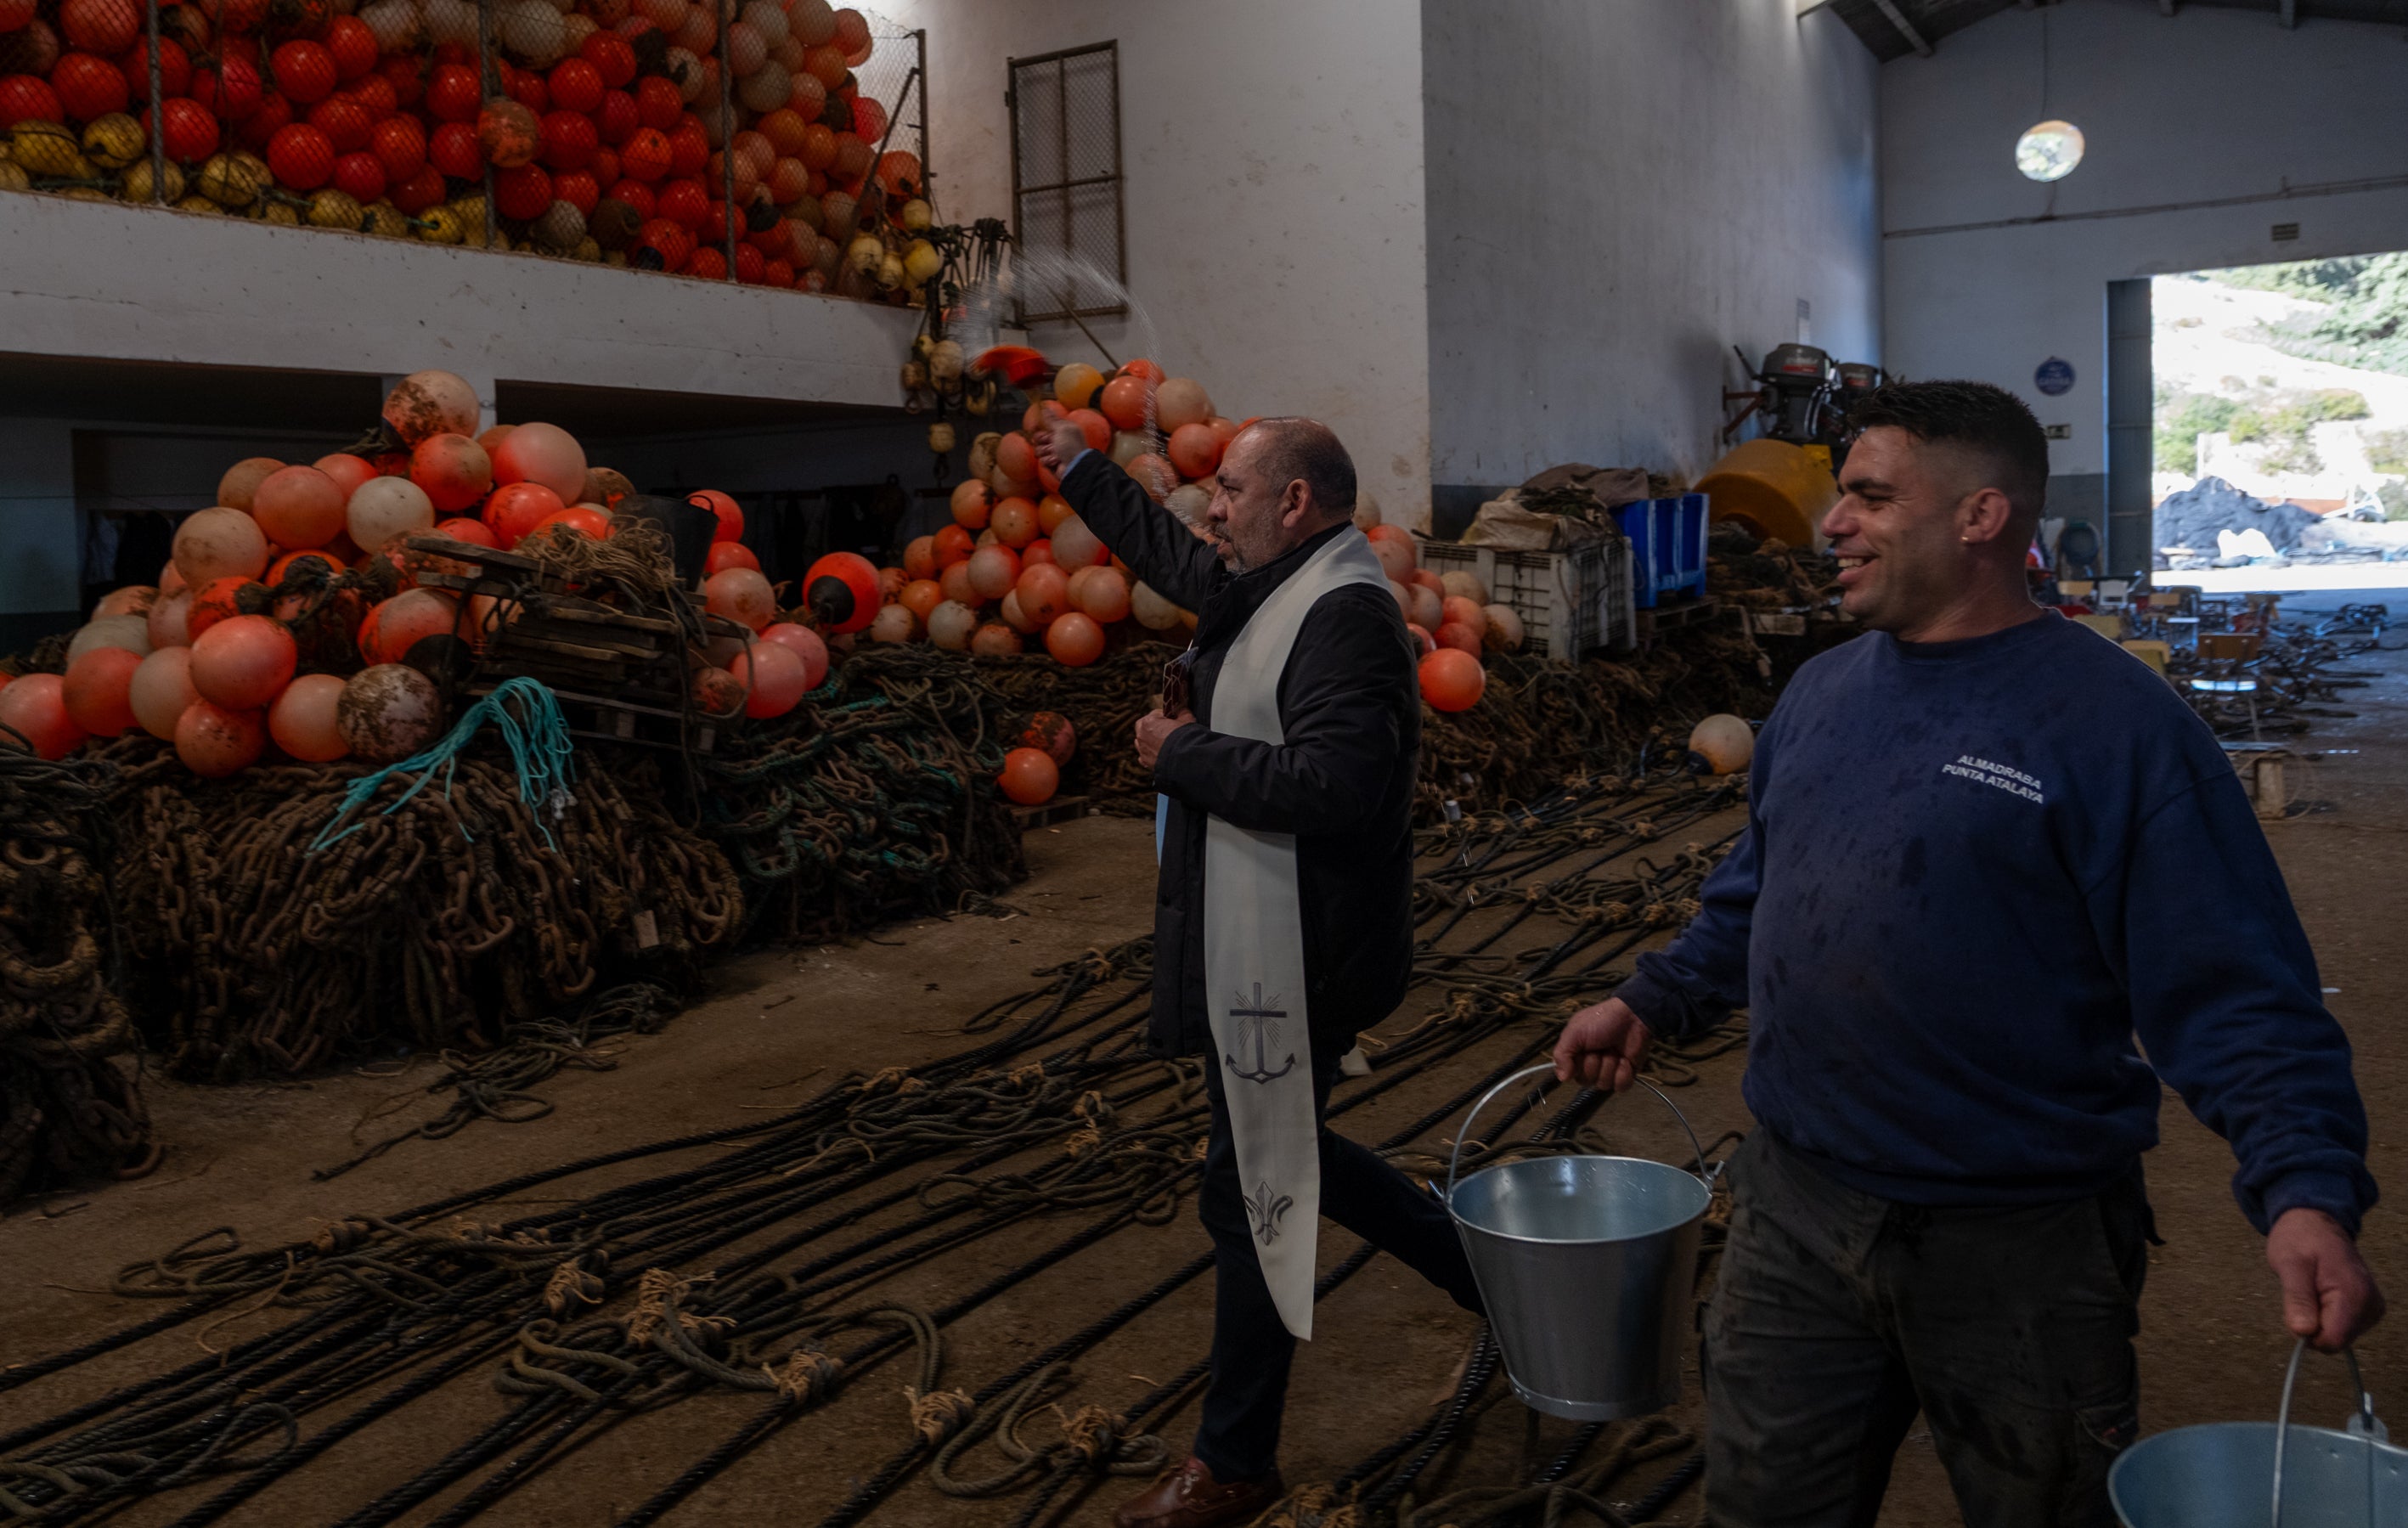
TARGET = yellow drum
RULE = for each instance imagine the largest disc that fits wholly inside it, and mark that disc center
(1774, 488)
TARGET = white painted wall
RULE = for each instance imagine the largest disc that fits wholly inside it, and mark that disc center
(1273, 155)
(2207, 104)
(153, 284)
(1619, 191)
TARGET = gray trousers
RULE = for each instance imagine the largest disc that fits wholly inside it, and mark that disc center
(1838, 1316)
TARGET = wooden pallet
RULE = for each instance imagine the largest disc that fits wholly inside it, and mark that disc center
(1665, 618)
(1059, 809)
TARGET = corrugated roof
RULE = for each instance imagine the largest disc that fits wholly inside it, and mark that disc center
(1899, 28)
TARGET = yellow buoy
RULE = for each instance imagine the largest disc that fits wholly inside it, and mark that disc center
(1777, 489)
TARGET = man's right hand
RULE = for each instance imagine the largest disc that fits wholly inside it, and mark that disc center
(1602, 1046)
(1060, 442)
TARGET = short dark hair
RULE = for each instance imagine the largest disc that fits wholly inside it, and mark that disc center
(1990, 421)
(1294, 446)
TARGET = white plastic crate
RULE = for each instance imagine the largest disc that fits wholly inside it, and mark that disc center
(1571, 603)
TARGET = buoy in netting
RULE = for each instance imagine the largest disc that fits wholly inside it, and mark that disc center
(841, 590)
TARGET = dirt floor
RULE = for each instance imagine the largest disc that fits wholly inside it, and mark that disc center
(780, 1025)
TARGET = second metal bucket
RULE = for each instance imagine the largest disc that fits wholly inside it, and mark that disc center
(1588, 1266)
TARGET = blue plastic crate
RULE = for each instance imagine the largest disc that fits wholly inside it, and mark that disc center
(1668, 548)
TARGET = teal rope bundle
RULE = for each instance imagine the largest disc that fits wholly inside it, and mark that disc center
(529, 720)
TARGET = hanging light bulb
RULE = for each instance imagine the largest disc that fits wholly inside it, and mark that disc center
(2049, 151)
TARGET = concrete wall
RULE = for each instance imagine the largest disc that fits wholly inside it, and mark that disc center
(1273, 156)
(152, 284)
(2205, 105)
(1619, 192)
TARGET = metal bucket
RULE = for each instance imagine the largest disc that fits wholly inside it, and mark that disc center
(1588, 1266)
(2217, 1476)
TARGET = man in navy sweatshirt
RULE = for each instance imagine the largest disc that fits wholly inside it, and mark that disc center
(1986, 851)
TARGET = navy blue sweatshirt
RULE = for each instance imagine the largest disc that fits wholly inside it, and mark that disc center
(1972, 873)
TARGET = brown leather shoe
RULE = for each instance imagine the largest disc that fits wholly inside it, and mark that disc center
(1189, 1497)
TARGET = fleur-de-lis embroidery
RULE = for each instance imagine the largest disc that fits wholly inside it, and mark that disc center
(1266, 1210)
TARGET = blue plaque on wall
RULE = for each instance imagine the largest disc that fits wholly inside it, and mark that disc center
(2054, 377)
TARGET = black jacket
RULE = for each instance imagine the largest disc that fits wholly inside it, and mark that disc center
(1350, 708)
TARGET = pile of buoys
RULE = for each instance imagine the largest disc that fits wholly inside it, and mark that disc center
(604, 129)
(289, 622)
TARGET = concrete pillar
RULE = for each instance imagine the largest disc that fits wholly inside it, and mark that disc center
(39, 547)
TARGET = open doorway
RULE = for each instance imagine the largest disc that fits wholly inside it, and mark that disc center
(2279, 440)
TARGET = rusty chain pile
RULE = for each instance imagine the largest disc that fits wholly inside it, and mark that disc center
(752, 1270)
(430, 927)
(69, 1110)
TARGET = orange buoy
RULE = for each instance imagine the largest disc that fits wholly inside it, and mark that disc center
(726, 554)
(1125, 400)
(1452, 680)
(387, 712)
(1075, 383)
(302, 721)
(170, 580)
(595, 526)
(954, 584)
(1722, 744)
(1460, 611)
(215, 741)
(1016, 458)
(920, 596)
(1097, 429)
(951, 545)
(730, 513)
(1014, 617)
(1051, 730)
(1177, 401)
(1044, 591)
(235, 488)
(972, 501)
(383, 509)
(1073, 639)
(283, 565)
(476, 533)
(1075, 546)
(1052, 511)
(298, 506)
(395, 626)
(514, 511)
(546, 454)
(1194, 449)
(1155, 475)
(742, 595)
(160, 690)
(1030, 776)
(240, 663)
(805, 643)
(348, 471)
(453, 471)
(717, 692)
(1424, 643)
(994, 570)
(994, 639)
(774, 676)
(219, 599)
(1015, 523)
(1454, 633)
(220, 543)
(34, 707)
(920, 558)
(840, 589)
(1104, 596)
(95, 690)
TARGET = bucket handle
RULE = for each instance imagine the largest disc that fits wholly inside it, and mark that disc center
(1456, 1155)
(2365, 1424)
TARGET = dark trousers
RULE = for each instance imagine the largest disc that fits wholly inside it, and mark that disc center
(1837, 1316)
(1237, 1437)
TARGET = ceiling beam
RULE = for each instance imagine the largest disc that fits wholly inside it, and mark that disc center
(1906, 28)
(2167, 7)
(2290, 14)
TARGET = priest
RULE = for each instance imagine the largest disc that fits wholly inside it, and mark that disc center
(1285, 749)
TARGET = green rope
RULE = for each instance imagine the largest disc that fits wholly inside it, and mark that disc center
(528, 719)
